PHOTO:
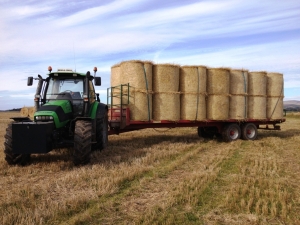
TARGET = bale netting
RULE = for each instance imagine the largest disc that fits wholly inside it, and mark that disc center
(139, 76)
(238, 94)
(275, 86)
(24, 112)
(218, 93)
(257, 100)
(166, 95)
(192, 85)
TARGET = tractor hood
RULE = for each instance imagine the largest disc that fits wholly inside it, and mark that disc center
(60, 111)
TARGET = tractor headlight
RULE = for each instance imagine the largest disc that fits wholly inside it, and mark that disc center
(43, 118)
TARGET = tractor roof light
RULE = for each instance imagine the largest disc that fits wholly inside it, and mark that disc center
(49, 69)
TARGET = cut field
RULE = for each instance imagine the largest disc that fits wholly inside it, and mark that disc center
(159, 177)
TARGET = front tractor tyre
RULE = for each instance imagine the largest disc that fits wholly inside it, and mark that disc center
(101, 130)
(82, 142)
(10, 157)
(231, 132)
(249, 131)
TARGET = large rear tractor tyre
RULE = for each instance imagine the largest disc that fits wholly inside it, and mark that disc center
(101, 131)
(249, 131)
(231, 132)
(82, 142)
(10, 157)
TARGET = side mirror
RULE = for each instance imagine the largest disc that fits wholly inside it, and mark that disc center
(29, 81)
(97, 81)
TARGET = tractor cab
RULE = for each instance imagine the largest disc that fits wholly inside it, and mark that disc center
(66, 94)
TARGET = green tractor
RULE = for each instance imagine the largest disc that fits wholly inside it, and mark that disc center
(68, 114)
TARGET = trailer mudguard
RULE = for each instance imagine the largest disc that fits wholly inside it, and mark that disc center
(32, 137)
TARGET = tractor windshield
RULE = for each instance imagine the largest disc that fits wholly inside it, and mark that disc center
(66, 89)
(60, 88)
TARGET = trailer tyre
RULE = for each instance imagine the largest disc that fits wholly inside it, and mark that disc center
(82, 142)
(231, 132)
(249, 131)
(10, 157)
(101, 130)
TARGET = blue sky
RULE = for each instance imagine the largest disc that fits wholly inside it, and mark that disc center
(254, 35)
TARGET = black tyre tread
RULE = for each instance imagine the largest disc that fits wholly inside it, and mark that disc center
(226, 135)
(101, 131)
(82, 142)
(10, 157)
(244, 131)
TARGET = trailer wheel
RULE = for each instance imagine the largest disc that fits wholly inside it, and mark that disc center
(231, 132)
(249, 131)
(205, 133)
(101, 131)
(82, 142)
(10, 157)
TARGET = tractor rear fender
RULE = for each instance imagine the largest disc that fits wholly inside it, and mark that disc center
(97, 106)
(93, 113)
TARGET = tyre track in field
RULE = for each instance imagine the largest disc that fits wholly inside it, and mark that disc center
(161, 188)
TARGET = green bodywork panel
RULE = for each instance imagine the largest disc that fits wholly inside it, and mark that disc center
(65, 105)
(93, 110)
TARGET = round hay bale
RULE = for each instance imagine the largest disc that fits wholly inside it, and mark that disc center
(192, 85)
(257, 107)
(218, 81)
(166, 98)
(115, 80)
(238, 92)
(257, 100)
(139, 76)
(274, 108)
(257, 83)
(31, 111)
(238, 107)
(217, 107)
(24, 112)
(275, 85)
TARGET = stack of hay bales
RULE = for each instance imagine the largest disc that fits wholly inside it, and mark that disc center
(218, 83)
(238, 94)
(193, 93)
(139, 76)
(166, 99)
(257, 100)
(115, 80)
(274, 96)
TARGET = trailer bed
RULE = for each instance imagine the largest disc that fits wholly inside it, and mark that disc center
(119, 122)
